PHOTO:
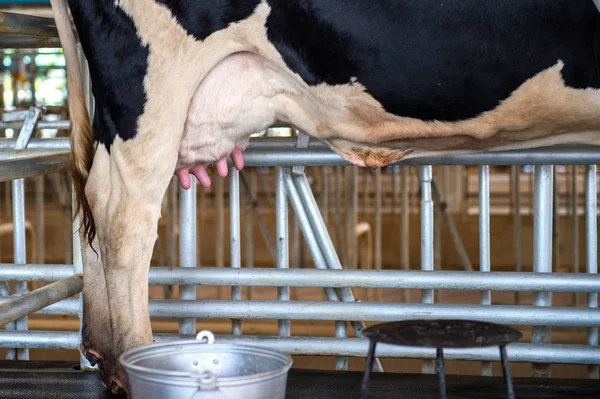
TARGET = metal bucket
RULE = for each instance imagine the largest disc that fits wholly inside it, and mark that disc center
(201, 369)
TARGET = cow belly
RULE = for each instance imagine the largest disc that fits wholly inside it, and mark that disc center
(232, 102)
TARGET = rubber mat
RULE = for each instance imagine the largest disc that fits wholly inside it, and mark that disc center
(35, 380)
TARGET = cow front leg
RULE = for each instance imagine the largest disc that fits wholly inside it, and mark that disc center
(125, 192)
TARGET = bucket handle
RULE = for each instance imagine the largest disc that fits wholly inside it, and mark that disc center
(207, 381)
(208, 335)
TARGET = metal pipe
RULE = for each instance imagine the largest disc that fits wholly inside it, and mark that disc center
(378, 238)
(348, 311)
(575, 224)
(187, 248)
(27, 24)
(20, 251)
(542, 251)
(516, 188)
(60, 144)
(458, 244)
(484, 241)
(405, 223)
(283, 261)
(39, 220)
(351, 216)
(350, 347)
(170, 239)
(33, 166)
(19, 307)
(220, 222)
(393, 279)
(234, 231)
(288, 157)
(251, 204)
(591, 205)
(427, 261)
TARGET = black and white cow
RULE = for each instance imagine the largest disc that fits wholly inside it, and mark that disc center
(181, 84)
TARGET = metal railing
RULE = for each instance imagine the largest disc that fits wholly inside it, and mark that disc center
(25, 157)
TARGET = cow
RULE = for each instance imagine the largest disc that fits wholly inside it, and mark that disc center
(180, 85)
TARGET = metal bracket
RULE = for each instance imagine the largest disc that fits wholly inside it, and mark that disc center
(31, 118)
(302, 142)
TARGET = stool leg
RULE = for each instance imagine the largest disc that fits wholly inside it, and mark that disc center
(440, 372)
(506, 373)
(368, 367)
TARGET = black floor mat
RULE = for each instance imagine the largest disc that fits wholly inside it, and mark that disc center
(43, 380)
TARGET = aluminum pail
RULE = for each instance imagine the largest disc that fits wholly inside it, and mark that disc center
(201, 369)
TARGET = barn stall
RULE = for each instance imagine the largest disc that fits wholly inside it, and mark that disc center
(306, 255)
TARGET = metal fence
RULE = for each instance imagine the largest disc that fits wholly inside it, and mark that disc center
(27, 157)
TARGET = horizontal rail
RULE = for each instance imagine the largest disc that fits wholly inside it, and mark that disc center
(28, 42)
(33, 166)
(273, 151)
(352, 347)
(356, 311)
(315, 278)
(58, 125)
(19, 307)
(27, 24)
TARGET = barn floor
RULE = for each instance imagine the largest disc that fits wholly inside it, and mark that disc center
(61, 380)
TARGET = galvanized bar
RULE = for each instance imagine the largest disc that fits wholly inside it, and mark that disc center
(309, 235)
(516, 191)
(283, 261)
(316, 156)
(339, 237)
(458, 244)
(405, 220)
(28, 42)
(427, 261)
(187, 248)
(591, 205)
(220, 227)
(575, 223)
(19, 307)
(27, 24)
(542, 251)
(39, 220)
(350, 347)
(351, 216)
(325, 195)
(170, 239)
(361, 311)
(235, 244)
(393, 279)
(20, 250)
(484, 241)
(33, 166)
(378, 238)
(250, 203)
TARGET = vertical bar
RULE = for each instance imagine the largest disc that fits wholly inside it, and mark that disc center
(325, 194)
(378, 238)
(170, 241)
(542, 251)
(249, 226)
(338, 209)
(352, 208)
(506, 373)
(39, 220)
(84, 364)
(591, 205)
(441, 376)
(220, 216)
(427, 296)
(405, 225)
(283, 261)
(20, 255)
(484, 242)
(556, 221)
(187, 248)
(575, 224)
(516, 173)
(234, 222)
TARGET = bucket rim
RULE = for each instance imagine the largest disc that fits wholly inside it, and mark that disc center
(128, 359)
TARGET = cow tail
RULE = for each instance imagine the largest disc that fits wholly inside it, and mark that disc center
(81, 136)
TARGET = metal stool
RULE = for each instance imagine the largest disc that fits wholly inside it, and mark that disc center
(441, 334)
